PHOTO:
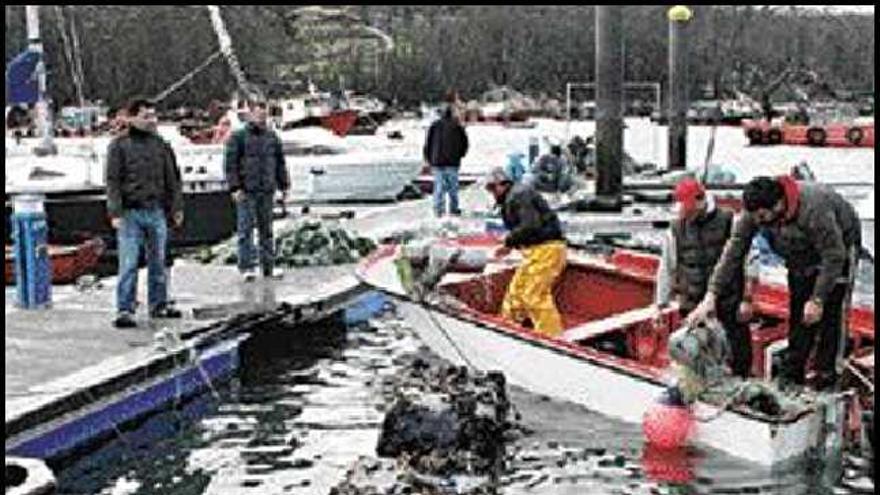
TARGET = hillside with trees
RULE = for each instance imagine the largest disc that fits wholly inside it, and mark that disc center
(423, 50)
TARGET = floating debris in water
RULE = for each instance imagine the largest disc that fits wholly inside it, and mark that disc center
(445, 430)
(308, 243)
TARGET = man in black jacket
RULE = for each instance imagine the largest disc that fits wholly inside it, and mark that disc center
(143, 186)
(534, 230)
(255, 170)
(445, 146)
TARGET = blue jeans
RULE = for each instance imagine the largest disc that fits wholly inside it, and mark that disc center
(255, 210)
(139, 227)
(445, 183)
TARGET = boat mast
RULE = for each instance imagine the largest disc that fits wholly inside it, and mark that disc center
(46, 146)
(225, 42)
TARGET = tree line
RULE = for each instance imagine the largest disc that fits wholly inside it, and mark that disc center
(141, 50)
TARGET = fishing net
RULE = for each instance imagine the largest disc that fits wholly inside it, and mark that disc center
(307, 243)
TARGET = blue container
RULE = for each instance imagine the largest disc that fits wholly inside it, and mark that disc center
(365, 307)
(33, 268)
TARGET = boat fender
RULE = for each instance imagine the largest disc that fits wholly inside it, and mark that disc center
(755, 136)
(855, 135)
(816, 136)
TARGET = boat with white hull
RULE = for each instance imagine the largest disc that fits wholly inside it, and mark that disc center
(466, 330)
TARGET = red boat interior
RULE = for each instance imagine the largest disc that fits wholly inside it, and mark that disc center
(605, 307)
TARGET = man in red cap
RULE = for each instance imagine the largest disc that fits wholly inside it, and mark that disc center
(694, 245)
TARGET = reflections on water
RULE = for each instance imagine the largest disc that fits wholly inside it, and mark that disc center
(308, 402)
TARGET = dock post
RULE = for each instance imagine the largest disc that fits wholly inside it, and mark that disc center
(679, 16)
(609, 108)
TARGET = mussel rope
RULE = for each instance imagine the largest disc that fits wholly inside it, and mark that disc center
(449, 338)
(729, 401)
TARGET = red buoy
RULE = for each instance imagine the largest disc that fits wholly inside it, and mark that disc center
(666, 426)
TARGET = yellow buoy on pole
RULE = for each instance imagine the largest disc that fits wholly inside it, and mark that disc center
(680, 13)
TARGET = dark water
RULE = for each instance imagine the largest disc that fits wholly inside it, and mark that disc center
(308, 402)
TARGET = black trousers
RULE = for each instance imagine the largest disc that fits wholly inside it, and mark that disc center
(801, 337)
(739, 337)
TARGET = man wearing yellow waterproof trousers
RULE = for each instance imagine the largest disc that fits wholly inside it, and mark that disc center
(535, 231)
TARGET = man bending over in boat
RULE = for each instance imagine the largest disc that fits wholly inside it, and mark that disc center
(692, 249)
(817, 232)
(534, 230)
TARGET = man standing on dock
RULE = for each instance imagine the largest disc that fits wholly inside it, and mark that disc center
(534, 230)
(692, 250)
(818, 233)
(445, 146)
(143, 186)
(256, 170)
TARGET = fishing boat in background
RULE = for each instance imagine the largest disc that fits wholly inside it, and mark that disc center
(500, 105)
(68, 262)
(326, 168)
(835, 125)
(612, 355)
(343, 114)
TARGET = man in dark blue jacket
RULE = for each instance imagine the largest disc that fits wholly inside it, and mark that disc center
(445, 146)
(255, 169)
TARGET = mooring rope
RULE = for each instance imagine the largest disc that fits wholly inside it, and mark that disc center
(183, 80)
(858, 374)
(68, 54)
(448, 338)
